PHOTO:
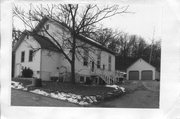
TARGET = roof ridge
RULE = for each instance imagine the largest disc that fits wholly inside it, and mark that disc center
(83, 38)
(143, 60)
(87, 38)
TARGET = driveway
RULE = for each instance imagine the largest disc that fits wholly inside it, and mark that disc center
(137, 99)
(146, 95)
(22, 98)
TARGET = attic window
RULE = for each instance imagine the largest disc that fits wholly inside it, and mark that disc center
(27, 36)
(47, 26)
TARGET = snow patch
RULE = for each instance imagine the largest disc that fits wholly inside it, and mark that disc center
(16, 85)
(68, 96)
(83, 103)
(78, 99)
(122, 88)
(116, 87)
(41, 92)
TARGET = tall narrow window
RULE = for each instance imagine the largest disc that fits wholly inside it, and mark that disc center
(30, 55)
(85, 58)
(109, 63)
(22, 56)
(103, 66)
(92, 68)
(27, 36)
(81, 79)
(99, 60)
(47, 26)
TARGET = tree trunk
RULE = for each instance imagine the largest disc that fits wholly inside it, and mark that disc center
(73, 72)
(73, 59)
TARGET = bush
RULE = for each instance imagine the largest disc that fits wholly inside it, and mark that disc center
(27, 73)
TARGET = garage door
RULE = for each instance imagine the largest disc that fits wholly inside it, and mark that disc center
(133, 75)
(147, 75)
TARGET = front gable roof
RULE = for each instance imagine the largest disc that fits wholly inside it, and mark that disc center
(143, 61)
(44, 42)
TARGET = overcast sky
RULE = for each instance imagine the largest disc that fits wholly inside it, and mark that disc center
(147, 17)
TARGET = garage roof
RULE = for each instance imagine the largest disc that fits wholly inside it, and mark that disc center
(142, 60)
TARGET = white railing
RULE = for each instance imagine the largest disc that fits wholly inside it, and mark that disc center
(108, 76)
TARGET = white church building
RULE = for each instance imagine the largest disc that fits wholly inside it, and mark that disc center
(39, 53)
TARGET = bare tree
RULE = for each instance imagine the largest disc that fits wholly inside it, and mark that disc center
(15, 35)
(125, 43)
(105, 35)
(77, 18)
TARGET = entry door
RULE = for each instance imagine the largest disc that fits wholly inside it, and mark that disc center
(133, 75)
(147, 75)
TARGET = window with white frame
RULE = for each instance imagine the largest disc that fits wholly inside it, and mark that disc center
(85, 58)
(99, 60)
(81, 79)
(47, 26)
(92, 66)
(109, 62)
(103, 66)
(30, 55)
(87, 79)
(22, 56)
(27, 36)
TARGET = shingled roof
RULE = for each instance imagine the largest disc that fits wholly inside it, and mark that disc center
(80, 37)
(44, 42)
(47, 44)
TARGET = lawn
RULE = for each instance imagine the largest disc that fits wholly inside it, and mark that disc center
(78, 89)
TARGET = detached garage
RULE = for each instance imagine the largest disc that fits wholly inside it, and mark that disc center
(141, 70)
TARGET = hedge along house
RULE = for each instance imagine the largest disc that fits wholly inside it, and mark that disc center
(39, 53)
(141, 70)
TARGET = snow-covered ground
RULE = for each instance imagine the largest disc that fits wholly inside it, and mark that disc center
(74, 98)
